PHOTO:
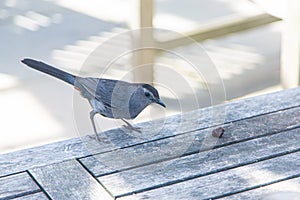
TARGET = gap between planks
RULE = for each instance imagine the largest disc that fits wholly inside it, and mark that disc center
(233, 181)
(156, 170)
(239, 110)
(256, 187)
(69, 180)
(195, 130)
(39, 185)
(249, 137)
(170, 183)
(17, 185)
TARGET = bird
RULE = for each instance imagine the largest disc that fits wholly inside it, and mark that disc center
(110, 98)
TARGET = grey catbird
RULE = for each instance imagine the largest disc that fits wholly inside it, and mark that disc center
(110, 98)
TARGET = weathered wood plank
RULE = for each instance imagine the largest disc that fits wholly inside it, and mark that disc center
(205, 118)
(17, 185)
(228, 182)
(69, 180)
(39, 156)
(36, 196)
(196, 165)
(74, 148)
(289, 189)
(190, 143)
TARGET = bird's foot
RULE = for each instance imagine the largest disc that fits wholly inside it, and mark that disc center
(99, 139)
(132, 128)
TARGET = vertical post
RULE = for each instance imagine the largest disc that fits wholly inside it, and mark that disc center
(290, 54)
(143, 58)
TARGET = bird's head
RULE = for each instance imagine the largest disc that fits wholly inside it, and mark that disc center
(151, 94)
(142, 97)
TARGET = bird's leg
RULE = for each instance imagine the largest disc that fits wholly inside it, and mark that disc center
(92, 116)
(131, 127)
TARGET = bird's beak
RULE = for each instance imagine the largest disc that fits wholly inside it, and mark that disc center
(160, 102)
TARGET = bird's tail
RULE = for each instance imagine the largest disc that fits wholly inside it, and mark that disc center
(43, 67)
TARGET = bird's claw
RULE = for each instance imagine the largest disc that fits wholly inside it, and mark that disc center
(98, 139)
(132, 128)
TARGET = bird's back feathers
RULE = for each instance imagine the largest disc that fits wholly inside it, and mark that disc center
(110, 98)
(115, 96)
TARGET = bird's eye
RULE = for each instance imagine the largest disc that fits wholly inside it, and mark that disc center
(147, 94)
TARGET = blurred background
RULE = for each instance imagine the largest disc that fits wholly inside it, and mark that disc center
(254, 45)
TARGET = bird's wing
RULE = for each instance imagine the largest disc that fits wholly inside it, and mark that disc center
(100, 89)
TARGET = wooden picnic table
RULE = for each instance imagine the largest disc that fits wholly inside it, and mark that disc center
(258, 157)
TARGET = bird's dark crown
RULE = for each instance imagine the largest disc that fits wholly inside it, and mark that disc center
(151, 89)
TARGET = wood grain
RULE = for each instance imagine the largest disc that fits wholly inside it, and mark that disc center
(201, 164)
(69, 180)
(229, 181)
(57, 152)
(17, 185)
(289, 189)
(36, 196)
(193, 142)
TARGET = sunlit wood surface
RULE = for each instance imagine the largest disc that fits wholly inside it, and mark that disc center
(257, 157)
